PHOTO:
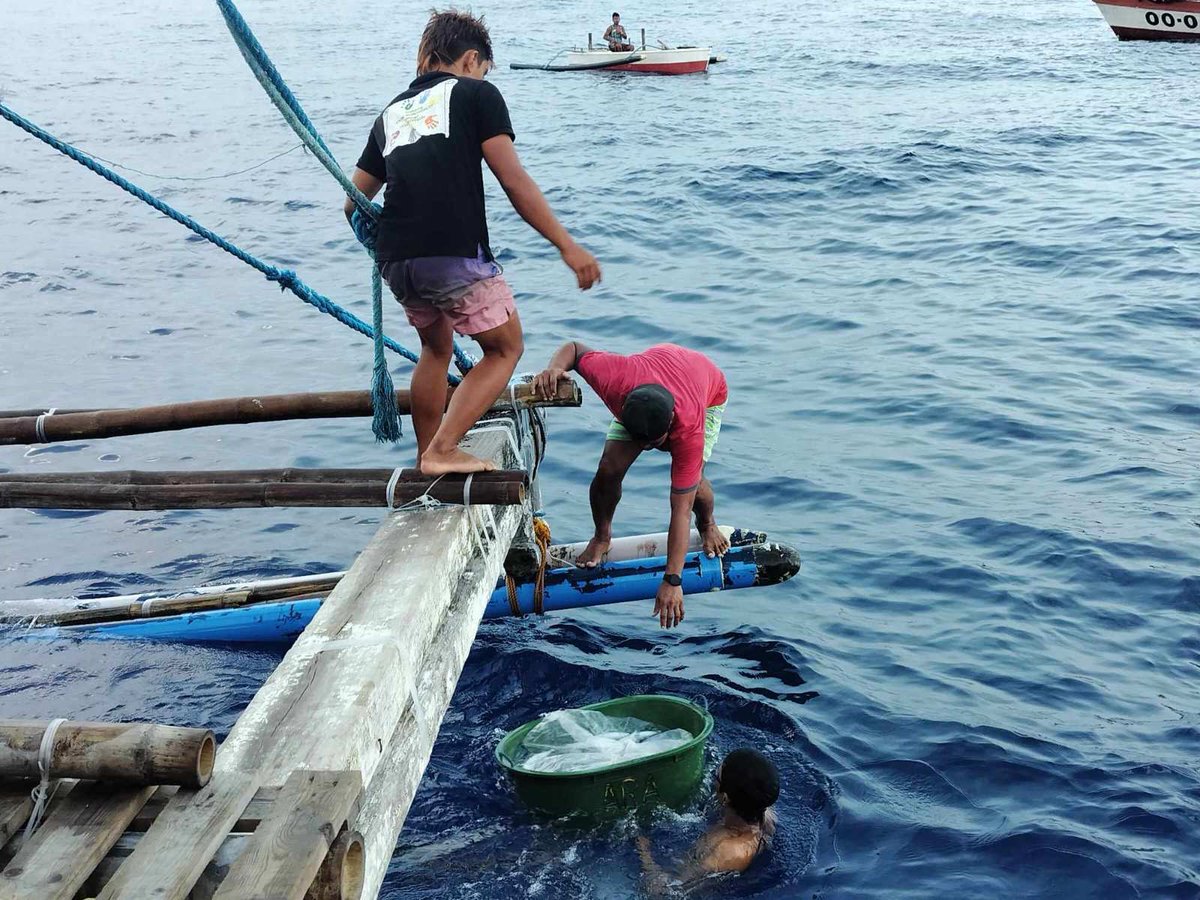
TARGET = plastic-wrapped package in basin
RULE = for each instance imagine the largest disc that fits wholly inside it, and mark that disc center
(575, 740)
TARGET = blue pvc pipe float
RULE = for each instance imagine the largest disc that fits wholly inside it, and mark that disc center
(570, 588)
(262, 623)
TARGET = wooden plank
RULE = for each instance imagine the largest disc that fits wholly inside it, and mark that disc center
(387, 799)
(170, 858)
(352, 671)
(205, 886)
(58, 796)
(254, 812)
(284, 856)
(72, 841)
(15, 806)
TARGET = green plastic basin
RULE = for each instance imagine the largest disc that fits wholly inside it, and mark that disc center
(664, 779)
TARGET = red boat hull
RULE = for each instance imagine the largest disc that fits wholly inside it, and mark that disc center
(648, 61)
(682, 68)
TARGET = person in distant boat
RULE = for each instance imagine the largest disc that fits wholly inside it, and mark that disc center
(747, 786)
(432, 241)
(616, 36)
(667, 398)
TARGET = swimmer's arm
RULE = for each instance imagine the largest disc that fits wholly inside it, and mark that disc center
(700, 865)
(658, 883)
(365, 182)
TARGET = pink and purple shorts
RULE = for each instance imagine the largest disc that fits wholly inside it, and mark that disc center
(471, 293)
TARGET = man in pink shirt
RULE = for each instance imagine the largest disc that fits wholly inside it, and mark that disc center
(667, 398)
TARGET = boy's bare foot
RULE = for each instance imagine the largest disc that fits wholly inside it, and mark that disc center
(455, 461)
(593, 553)
(713, 541)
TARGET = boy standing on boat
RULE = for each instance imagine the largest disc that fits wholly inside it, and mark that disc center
(667, 398)
(432, 245)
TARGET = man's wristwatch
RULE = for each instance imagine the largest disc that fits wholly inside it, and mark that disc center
(673, 580)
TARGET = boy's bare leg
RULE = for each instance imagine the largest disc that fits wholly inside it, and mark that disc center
(713, 542)
(502, 348)
(428, 385)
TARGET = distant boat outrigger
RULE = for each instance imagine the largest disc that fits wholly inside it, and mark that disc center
(1152, 20)
(661, 60)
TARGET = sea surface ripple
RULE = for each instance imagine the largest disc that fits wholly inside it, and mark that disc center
(947, 257)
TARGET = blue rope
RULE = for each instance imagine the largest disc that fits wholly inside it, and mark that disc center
(385, 417)
(286, 278)
(365, 211)
(383, 393)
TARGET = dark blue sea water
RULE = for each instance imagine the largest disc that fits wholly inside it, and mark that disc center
(947, 257)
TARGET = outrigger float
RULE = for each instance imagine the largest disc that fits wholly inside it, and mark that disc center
(306, 796)
(278, 610)
(1152, 20)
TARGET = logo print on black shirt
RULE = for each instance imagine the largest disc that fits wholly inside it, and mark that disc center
(407, 121)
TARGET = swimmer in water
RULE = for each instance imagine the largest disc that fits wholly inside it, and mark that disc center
(747, 786)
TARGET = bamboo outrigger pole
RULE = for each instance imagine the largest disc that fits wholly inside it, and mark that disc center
(27, 426)
(260, 476)
(500, 488)
(127, 753)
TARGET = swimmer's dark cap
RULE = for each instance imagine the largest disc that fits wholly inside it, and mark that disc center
(647, 412)
(751, 782)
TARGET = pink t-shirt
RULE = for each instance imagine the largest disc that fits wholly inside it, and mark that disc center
(693, 381)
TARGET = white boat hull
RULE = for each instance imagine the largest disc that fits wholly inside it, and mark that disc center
(1147, 20)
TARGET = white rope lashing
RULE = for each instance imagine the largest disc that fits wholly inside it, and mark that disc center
(45, 789)
(391, 488)
(39, 426)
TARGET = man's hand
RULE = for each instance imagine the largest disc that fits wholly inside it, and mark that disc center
(583, 264)
(668, 605)
(545, 383)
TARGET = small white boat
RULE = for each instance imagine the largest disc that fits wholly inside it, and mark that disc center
(650, 61)
(1152, 20)
(660, 60)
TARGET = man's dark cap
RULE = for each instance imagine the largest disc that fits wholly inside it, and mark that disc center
(647, 412)
(751, 782)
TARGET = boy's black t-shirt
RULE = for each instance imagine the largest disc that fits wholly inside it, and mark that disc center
(427, 147)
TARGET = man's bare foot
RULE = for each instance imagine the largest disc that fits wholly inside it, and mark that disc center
(454, 461)
(713, 541)
(593, 553)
